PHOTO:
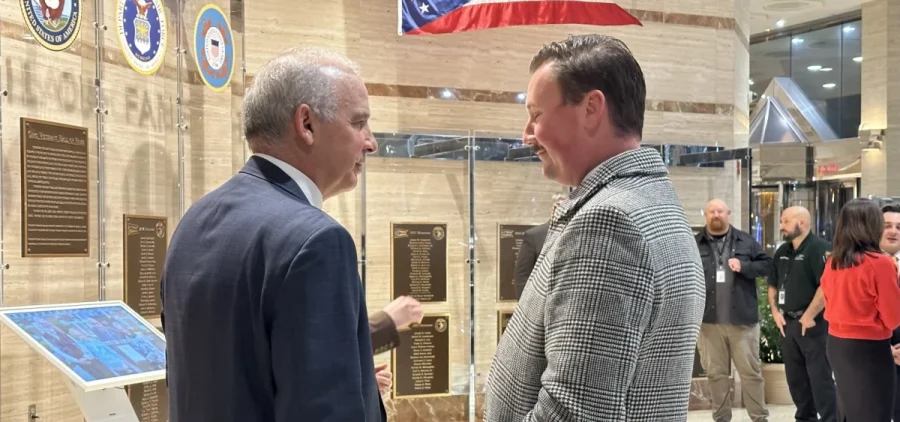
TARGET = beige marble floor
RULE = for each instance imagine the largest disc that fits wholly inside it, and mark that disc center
(776, 414)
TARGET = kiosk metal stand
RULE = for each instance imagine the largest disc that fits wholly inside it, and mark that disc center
(101, 347)
(107, 405)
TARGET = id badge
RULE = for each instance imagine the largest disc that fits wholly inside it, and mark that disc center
(781, 297)
(720, 276)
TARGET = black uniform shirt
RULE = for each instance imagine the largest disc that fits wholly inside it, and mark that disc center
(798, 271)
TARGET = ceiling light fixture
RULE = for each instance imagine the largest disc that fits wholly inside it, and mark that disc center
(858, 59)
(797, 40)
(751, 82)
(780, 23)
(814, 68)
(829, 86)
(825, 69)
(848, 29)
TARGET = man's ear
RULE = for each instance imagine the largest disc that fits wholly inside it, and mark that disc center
(595, 109)
(303, 124)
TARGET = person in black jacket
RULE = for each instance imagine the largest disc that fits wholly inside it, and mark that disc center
(531, 249)
(732, 260)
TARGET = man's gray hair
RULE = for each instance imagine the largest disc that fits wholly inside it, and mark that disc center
(304, 75)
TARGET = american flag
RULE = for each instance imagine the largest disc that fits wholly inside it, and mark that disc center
(214, 44)
(419, 17)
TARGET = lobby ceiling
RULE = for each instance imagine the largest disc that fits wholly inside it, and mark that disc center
(765, 14)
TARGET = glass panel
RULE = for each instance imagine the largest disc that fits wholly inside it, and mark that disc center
(826, 65)
(511, 196)
(816, 69)
(764, 218)
(768, 60)
(141, 173)
(832, 195)
(851, 79)
(422, 177)
(803, 195)
(56, 87)
(212, 91)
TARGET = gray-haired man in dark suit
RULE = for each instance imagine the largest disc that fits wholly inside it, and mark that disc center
(264, 313)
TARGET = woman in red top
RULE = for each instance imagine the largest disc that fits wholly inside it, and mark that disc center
(862, 307)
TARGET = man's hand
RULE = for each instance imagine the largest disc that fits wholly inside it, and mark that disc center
(806, 322)
(404, 311)
(384, 378)
(779, 320)
(735, 265)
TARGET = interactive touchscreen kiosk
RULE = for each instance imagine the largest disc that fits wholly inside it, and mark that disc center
(100, 346)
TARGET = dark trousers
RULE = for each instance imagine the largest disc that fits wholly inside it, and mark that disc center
(808, 372)
(897, 395)
(864, 374)
(895, 339)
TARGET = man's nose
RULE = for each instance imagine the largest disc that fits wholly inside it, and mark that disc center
(528, 134)
(371, 144)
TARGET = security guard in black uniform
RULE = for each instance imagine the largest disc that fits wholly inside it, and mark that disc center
(797, 304)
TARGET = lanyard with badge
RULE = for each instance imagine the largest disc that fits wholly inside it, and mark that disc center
(785, 279)
(720, 272)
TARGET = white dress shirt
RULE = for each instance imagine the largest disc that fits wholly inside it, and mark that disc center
(897, 260)
(310, 190)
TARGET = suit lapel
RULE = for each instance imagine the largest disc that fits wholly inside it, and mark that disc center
(264, 169)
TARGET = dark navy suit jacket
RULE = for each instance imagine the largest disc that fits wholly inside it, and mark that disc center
(263, 310)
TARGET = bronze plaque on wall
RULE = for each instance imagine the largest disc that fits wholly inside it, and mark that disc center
(55, 189)
(503, 318)
(510, 237)
(419, 261)
(422, 360)
(150, 401)
(145, 253)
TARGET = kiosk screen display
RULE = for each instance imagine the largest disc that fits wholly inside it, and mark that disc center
(95, 342)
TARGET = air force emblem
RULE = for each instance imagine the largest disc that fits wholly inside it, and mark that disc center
(142, 34)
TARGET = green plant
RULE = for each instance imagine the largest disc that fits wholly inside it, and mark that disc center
(769, 334)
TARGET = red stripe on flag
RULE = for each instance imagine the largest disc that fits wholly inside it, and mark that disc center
(519, 13)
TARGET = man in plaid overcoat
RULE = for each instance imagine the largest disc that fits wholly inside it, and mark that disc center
(607, 324)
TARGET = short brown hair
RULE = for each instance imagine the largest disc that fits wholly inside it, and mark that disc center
(858, 232)
(584, 63)
(890, 208)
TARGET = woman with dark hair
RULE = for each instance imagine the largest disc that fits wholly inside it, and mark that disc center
(862, 307)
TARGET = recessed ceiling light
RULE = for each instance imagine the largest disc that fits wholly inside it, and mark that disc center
(858, 59)
(814, 68)
(447, 94)
(849, 29)
(797, 40)
(521, 96)
(829, 86)
(751, 82)
(780, 23)
(825, 69)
